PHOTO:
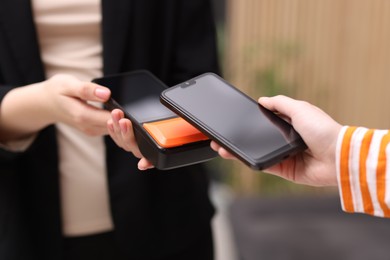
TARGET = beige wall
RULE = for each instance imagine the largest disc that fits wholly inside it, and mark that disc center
(333, 53)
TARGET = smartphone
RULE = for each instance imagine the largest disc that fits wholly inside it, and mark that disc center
(255, 135)
(136, 93)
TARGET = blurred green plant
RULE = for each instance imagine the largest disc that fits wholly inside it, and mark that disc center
(270, 79)
(220, 29)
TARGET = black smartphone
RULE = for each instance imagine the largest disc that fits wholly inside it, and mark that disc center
(255, 135)
(136, 93)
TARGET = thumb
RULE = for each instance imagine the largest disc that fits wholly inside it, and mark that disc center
(281, 104)
(94, 92)
(72, 87)
(89, 91)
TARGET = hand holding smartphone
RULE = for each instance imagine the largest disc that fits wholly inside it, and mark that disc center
(255, 135)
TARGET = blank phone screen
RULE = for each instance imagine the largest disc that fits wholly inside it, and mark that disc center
(231, 116)
(139, 93)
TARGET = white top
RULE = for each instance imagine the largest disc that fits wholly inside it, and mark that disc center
(69, 37)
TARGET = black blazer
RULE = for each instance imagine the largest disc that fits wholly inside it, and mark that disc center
(155, 213)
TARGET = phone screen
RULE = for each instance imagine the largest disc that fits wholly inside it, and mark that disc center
(233, 119)
(138, 93)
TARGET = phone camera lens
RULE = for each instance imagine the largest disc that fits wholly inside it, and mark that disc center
(188, 83)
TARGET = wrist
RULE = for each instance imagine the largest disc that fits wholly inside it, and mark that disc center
(24, 112)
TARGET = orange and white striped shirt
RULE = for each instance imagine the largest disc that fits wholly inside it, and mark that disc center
(362, 157)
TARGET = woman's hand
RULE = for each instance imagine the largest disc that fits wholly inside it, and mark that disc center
(60, 99)
(315, 166)
(121, 131)
(72, 103)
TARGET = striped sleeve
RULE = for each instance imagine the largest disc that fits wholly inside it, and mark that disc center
(362, 157)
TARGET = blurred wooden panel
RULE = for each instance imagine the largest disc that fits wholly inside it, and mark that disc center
(332, 53)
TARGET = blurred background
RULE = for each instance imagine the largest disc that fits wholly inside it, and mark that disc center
(334, 54)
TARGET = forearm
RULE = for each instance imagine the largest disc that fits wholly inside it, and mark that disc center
(362, 170)
(23, 112)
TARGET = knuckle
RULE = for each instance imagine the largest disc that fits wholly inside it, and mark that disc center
(79, 117)
(303, 103)
(84, 91)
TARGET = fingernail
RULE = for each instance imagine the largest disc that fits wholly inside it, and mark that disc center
(142, 168)
(147, 167)
(102, 93)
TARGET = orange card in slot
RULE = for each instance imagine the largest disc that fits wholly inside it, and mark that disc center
(173, 132)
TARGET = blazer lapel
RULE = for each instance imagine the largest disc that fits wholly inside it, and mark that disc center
(116, 17)
(17, 24)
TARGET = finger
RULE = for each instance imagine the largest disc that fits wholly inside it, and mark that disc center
(110, 126)
(112, 133)
(93, 92)
(116, 115)
(97, 118)
(225, 154)
(115, 128)
(221, 151)
(275, 170)
(87, 91)
(87, 118)
(128, 138)
(214, 146)
(281, 104)
(122, 132)
(144, 164)
(123, 136)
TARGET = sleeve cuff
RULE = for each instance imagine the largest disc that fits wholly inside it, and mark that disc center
(361, 159)
(18, 145)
